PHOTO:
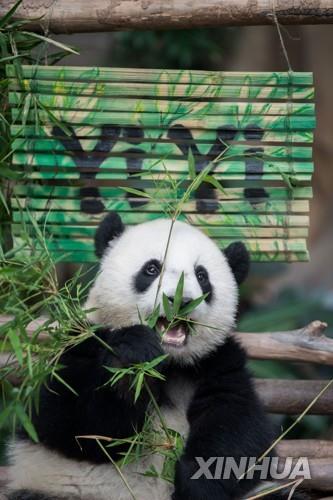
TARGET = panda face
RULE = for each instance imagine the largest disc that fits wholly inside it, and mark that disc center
(143, 263)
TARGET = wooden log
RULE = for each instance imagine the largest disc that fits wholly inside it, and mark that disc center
(272, 392)
(3, 478)
(276, 396)
(109, 15)
(311, 448)
(308, 344)
(291, 397)
(321, 473)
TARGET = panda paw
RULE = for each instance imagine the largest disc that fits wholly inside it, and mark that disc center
(136, 344)
(188, 487)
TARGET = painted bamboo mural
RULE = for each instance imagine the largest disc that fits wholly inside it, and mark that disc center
(121, 139)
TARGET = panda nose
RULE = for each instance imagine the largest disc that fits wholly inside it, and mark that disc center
(185, 300)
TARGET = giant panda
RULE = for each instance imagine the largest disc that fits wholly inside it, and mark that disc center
(205, 392)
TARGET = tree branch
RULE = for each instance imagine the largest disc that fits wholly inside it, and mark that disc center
(62, 16)
(308, 344)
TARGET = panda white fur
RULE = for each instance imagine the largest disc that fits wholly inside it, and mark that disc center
(207, 395)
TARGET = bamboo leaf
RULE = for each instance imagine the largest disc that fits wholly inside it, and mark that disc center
(4, 20)
(167, 308)
(26, 108)
(136, 192)
(153, 317)
(4, 201)
(16, 345)
(26, 422)
(5, 414)
(178, 295)
(9, 58)
(62, 46)
(214, 182)
(192, 305)
(191, 164)
(156, 361)
(138, 386)
(151, 472)
(62, 381)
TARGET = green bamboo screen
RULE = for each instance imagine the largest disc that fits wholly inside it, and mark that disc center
(134, 128)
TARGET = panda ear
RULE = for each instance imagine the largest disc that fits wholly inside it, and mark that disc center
(111, 227)
(239, 260)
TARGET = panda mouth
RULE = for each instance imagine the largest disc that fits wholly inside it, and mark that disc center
(173, 335)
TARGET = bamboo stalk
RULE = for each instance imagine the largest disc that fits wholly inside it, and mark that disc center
(68, 192)
(160, 76)
(91, 131)
(232, 220)
(152, 166)
(225, 207)
(202, 121)
(116, 177)
(147, 89)
(163, 148)
(253, 245)
(180, 107)
(79, 256)
(88, 231)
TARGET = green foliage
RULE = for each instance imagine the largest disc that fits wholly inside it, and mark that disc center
(197, 48)
(137, 374)
(175, 313)
(18, 47)
(29, 288)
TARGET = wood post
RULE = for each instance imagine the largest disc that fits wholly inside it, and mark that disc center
(110, 15)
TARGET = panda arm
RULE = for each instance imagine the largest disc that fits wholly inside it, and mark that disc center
(97, 409)
(226, 420)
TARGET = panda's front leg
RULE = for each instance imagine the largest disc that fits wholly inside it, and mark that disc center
(93, 407)
(227, 422)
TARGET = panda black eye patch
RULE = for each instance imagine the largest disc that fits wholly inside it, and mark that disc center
(204, 282)
(147, 275)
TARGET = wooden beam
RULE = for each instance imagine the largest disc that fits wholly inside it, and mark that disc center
(311, 448)
(291, 397)
(110, 15)
(288, 397)
(308, 344)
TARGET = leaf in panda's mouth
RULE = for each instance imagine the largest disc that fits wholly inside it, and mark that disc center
(174, 335)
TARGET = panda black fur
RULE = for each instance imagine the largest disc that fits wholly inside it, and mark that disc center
(207, 394)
